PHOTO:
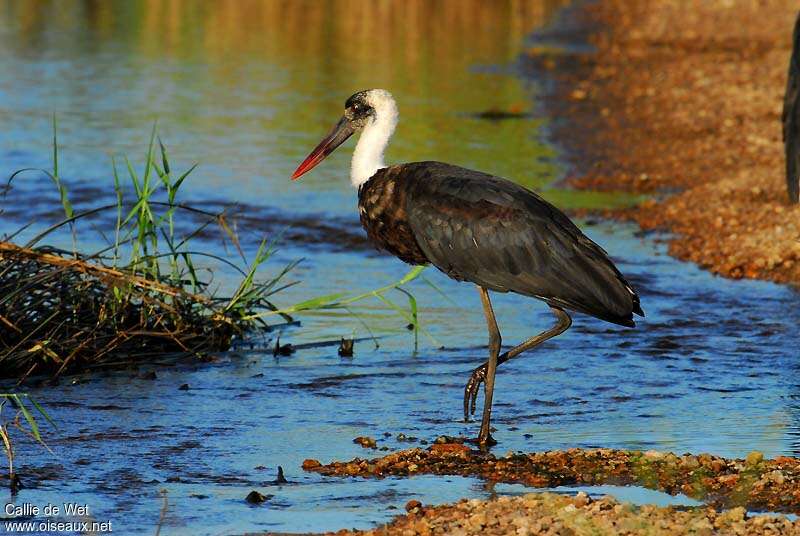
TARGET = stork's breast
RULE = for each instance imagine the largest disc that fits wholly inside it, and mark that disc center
(382, 209)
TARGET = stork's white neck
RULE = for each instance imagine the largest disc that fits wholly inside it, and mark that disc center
(368, 156)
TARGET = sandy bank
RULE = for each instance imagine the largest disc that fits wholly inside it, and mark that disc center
(683, 100)
(552, 514)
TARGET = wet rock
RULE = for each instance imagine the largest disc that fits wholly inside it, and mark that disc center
(282, 349)
(254, 497)
(366, 442)
(449, 439)
(184, 387)
(346, 347)
(281, 479)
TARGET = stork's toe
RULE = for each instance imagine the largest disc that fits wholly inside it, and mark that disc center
(471, 391)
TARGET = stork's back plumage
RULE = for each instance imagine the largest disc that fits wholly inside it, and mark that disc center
(476, 227)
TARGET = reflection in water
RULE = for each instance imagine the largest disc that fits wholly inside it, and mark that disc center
(247, 87)
(412, 32)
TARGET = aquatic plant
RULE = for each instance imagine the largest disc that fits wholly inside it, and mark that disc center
(142, 295)
(24, 421)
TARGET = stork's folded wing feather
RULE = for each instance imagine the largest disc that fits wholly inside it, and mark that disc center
(497, 234)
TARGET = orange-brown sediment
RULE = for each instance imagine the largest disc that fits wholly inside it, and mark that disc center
(753, 483)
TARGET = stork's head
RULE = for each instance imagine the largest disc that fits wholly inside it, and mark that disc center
(365, 109)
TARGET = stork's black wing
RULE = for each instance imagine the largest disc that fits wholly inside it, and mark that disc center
(791, 118)
(497, 234)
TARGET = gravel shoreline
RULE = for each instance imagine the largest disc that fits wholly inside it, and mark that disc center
(556, 514)
(755, 483)
(730, 487)
(684, 102)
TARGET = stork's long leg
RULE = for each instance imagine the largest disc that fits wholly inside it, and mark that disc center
(495, 341)
(481, 374)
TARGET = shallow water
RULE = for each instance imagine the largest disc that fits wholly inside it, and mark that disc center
(707, 371)
(712, 367)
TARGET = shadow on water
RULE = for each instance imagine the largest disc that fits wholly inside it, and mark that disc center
(713, 367)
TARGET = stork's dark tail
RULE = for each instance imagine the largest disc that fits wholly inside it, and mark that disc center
(613, 300)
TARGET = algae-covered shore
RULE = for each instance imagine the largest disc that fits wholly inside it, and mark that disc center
(731, 490)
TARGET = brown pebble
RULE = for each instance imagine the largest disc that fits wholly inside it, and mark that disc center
(366, 442)
(310, 464)
(413, 506)
(754, 458)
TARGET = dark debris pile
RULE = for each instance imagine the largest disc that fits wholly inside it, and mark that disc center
(60, 314)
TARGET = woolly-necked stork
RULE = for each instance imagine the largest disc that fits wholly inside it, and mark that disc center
(475, 227)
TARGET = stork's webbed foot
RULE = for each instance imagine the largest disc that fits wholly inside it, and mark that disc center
(471, 391)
